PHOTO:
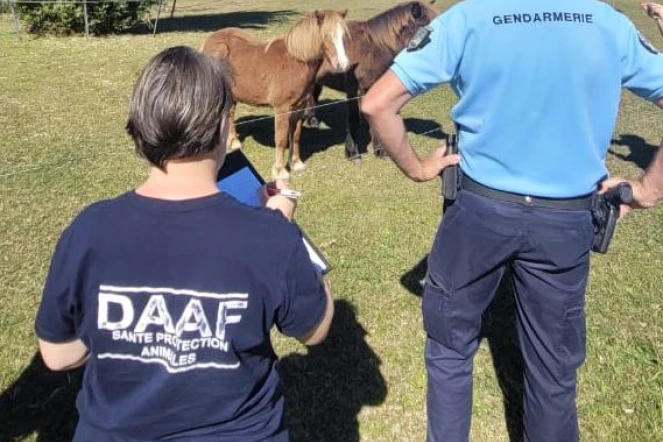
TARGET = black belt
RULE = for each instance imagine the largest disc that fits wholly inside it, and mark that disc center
(577, 203)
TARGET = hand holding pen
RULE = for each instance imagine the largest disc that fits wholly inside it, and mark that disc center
(277, 195)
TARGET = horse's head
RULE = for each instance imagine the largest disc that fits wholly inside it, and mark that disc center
(393, 28)
(422, 13)
(416, 14)
(333, 30)
(318, 35)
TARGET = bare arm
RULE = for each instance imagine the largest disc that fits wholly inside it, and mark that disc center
(650, 185)
(382, 105)
(277, 202)
(655, 11)
(319, 333)
(659, 23)
(652, 180)
(648, 190)
(63, 356)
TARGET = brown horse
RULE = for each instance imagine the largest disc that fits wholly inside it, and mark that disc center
(281, 73)
(372, 46)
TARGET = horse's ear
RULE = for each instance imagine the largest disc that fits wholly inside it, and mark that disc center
(416, 10)
(320, 15)
(343, 13)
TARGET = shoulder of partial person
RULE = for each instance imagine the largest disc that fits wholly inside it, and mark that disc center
(85, 220)
(98, 209)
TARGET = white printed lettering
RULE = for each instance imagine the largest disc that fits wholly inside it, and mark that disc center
(193, 310)
(223, 318)
(155, 329)
(156, 313)
(127, 308)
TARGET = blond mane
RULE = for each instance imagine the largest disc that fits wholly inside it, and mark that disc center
(305, 39)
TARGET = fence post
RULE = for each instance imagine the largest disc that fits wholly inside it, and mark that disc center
(156, 22)
(87, 22)
(172, 11)
(15, 19)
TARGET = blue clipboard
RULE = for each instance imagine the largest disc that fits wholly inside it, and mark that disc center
(238, 178)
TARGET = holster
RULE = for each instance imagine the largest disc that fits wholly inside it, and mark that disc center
(605, 213)
(451, 175)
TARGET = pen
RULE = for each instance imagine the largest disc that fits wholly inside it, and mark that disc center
(288, 193)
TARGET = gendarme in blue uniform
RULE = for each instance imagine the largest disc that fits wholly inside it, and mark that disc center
(539, 83)
(537, 86)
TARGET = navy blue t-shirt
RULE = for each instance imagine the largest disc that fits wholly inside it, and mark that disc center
(175, 301)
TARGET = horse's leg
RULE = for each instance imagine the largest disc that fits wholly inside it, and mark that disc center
(352, 124)
(233, 139)
(378, 150)
(310, 118)
(281, 134)
(297, 164)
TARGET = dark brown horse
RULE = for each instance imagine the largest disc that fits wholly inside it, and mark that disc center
(372, 46)
(281, 73)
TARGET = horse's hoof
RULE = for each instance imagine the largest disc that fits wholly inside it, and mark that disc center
(354, 158)
(280, 174)
(352, 154)
(380, 153)
(312, 123)
(351, 148)
(299, 166)
(235, 144)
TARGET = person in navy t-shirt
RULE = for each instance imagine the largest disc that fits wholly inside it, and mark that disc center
(168, 292)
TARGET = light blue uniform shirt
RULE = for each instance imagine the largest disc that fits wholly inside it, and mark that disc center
(539, 84)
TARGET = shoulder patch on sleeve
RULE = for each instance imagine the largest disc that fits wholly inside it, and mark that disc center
(420, 38)
(647, 45)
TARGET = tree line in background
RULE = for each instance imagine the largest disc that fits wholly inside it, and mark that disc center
(66, 17)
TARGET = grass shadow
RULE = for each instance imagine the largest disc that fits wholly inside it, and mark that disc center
(331, 132)
(41, 401)
(413, 279)
(314, 140)
(427, 128)
(338, 119)
(214, 21)
(641, 153)
(326, 388)
(498, 327)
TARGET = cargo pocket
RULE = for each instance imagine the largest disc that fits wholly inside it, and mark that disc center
(436, 322)
(572, 345)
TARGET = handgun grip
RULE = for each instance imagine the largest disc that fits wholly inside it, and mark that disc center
(622, 193)
(607, 214)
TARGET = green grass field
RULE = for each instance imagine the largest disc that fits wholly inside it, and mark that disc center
(63, 104)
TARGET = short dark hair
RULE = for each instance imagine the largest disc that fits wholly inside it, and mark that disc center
(178, 104)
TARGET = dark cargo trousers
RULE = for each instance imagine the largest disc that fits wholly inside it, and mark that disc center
(547, 251)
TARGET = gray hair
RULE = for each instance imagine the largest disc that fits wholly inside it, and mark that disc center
(178, 104)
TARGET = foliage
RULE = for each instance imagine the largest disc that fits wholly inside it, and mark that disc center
(67, 16)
